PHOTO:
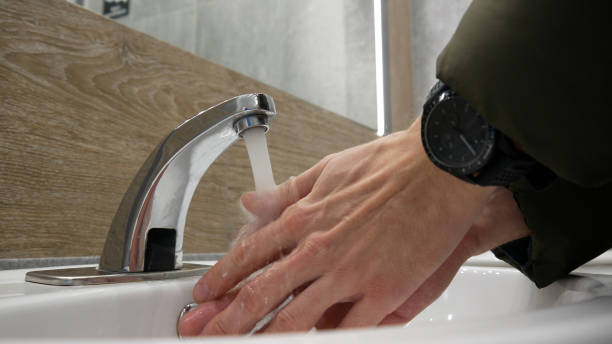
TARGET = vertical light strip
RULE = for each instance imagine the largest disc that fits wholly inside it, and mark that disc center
(380, 86)
(382, 108)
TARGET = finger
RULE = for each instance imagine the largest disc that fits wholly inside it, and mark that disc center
(307, 308)
(393, 319)
(261, 295)
(192, 323)
(294, 294)
(257, 249)
(250, 254)
(245, 231)
(269, 205)
(431, 289)
(366, 312)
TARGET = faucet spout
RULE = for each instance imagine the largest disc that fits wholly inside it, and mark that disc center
(146, 233)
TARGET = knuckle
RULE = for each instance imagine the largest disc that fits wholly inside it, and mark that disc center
(240, 255)
(379, 287)
(385, 300)
(328, 158)
(343, 270)
(314, 245)
(289, 191)
(292, 192)
(384, 292)
(248, 300)
(294, 217)
(286, 320)
(218, 326)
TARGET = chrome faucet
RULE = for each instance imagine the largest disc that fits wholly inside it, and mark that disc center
(145, 240)
(147, 231)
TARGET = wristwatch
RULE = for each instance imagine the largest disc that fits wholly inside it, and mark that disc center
(459, 141)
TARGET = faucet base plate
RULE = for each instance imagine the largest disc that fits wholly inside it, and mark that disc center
(91, 275)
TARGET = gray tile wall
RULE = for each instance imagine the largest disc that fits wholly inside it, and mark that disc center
(312, 49)
(172, 21)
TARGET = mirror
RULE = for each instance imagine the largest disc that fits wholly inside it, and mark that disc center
(327, 52)
(321, 51)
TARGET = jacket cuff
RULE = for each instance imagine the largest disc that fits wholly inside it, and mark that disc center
(516, 253)
(565, 221)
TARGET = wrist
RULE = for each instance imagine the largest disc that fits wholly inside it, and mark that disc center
(499, 222)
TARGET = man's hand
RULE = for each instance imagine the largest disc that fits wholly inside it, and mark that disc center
(366, 228)
(500, 222)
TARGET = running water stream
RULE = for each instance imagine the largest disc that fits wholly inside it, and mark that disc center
(257, 147)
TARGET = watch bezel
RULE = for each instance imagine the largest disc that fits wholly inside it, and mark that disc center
(470, 170)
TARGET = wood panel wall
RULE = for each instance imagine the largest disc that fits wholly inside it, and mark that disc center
(84, 100)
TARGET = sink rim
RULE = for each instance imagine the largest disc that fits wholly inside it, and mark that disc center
(461, 326)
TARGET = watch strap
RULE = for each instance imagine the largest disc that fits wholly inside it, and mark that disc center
(506, 166)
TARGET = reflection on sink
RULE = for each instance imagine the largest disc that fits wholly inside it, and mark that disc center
(477, 295)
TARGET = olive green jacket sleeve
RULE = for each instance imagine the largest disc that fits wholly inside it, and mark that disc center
(539, 72)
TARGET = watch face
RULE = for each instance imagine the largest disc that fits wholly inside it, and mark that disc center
(456, 137)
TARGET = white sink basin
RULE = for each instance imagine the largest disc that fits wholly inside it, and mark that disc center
(488, 304)
(141, 309)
